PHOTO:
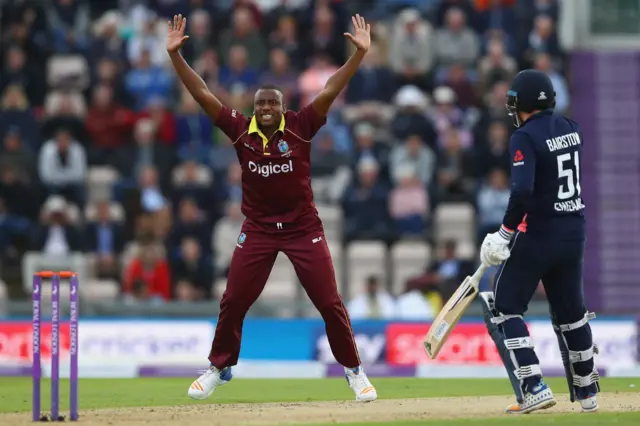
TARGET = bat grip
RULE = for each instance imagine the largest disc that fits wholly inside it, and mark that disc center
(480, 272)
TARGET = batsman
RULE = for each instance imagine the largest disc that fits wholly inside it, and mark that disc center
(542, 238)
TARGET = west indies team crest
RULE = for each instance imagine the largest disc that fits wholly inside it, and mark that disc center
(241, 239)
(283, 147)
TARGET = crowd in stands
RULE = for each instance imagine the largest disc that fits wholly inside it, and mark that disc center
(86, 87)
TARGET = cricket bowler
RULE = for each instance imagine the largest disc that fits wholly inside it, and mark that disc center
(542, 238)
(273, 147)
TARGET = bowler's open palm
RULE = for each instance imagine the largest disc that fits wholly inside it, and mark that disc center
(361, 37)
(176, 37)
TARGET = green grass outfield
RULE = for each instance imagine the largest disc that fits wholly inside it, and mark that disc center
(15, 395)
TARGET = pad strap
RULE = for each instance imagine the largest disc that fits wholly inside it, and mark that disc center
(528, 371)
(503, 318)
(579, 356)
(518, 343)
(580, 323)
(584, 381)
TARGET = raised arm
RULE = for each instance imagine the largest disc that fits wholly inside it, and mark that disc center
(191, 80)
(361, 38)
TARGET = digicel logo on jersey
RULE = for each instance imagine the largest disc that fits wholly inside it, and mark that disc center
(267, 170)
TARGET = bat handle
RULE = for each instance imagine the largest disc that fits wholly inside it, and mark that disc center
(480, 272)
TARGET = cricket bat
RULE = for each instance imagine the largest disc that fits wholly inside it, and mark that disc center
(451, 313)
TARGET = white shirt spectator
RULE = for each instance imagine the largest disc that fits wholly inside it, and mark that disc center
(381, 305)
(414, 306)
(54, 170)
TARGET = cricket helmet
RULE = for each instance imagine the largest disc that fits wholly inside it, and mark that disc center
(530, 90)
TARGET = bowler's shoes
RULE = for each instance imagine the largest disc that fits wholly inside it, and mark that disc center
(360, 384)
(539, 398)
(588, 402)
(210, 379)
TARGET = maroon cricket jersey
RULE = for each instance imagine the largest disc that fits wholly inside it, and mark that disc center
(276, 175)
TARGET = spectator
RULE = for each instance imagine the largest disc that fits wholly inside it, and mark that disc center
(64, 110)
(368, 147)
(232, 187)
(146, 81)
(201, 34)
(447, 115)
(410, 118)
(107, 42)
(105, 238)
(493, 198)
(56, 235)
(16, 115)
(374, 304)
(15, 155)
(223, 155)
(494, 154)
(454, 170)
(243, 33)
(190, 223)
(17, 178)
(412, 50)
(62, 166)
(147, 277)
(192, 273)
(458, 80)
(415, 154)
(496, 14)
(14, 234)
(281, 75)
(365, 205)
(409, 203)
(194, 130)
(155, 217)
(329, 170)
(108, 73)
(192, 181)
(237, 78)
(16, 71)
(448, 270)
(373, 82)
(413, 304)
(226, 236)
(69, 20)
(162, 118)
(496, 66)
(285, 37)
(323, 37)
(543, 63)
(313, 79)
(146, 38)
(456, 43)
(542, 39)
(108, 125)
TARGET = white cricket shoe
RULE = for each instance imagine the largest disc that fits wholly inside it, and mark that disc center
(589, 404)
(539, 399)
(210, 379)
(360, 384)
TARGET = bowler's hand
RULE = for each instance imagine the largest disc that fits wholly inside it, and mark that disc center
(361, 37)
(495, 249)
(176, 37)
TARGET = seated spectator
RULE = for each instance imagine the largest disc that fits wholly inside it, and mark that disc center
(409, 203)
(494, 152)
(146, 81)
(223, 155)
(365, 205)
(496, 14)
(448, 270)
(373, 83)
(192, 273)
(64, 110)
(106, 41)
(312, 80)
(324, 36)
(15, 183)
(413, 304)
(15, 115)
(14, 154)
(237, 78)
(147, 277)
(283, 76)
(493, 109)
(412, 49)
(493, 199)
(157, 110)
(410, 118)
(154, 207)
(69, 20)
(243, 32)
(232, 186)
(191, 184)
(109, 74)
(376, 303)
(285, 37)
(329, 170)
(105, 240)
(458, 79)
(14, 235)
(208, 68)
(109, 126)
(542, 39)
(190, 223)
(18, 72)
(497, 65)
(62, 167)
(368, 146)
(447, 115)
(201, 36)
(415, 154)
(145, 37)
(55, 235)
(454, 170)
(226, 236)
(543, 63)
(456, 43)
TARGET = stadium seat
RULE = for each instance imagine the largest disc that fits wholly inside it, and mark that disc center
(455, 221)
(364, 258)
(68, 72)
(116, 212)
(409, 260)
(100, 181)
(332, 219)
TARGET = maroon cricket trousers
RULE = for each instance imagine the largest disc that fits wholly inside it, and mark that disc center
(252, 261)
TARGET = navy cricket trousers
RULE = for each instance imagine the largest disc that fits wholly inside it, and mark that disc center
(252, 261)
